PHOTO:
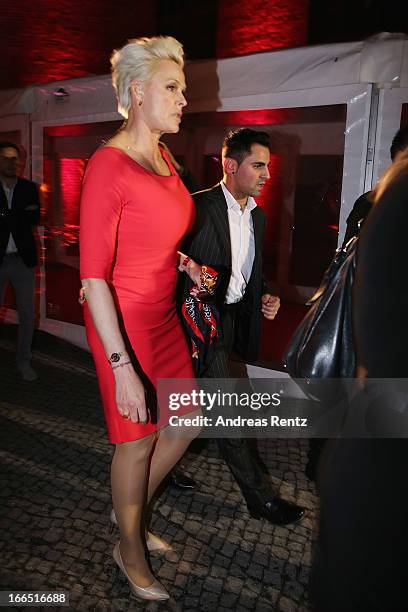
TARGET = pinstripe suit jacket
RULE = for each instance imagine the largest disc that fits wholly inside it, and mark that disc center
(209, 243)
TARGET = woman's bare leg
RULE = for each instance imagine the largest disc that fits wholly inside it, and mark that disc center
(170, 447)
(129, 477)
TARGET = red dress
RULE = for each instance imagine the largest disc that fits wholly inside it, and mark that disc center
(132, 224)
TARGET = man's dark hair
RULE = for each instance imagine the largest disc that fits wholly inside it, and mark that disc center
(238, 143)
(5, 144)
(399, 142)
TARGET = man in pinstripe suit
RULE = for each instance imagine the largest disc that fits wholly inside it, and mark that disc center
(227, 236)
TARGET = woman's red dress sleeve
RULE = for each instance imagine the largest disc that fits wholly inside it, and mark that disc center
(101, 207)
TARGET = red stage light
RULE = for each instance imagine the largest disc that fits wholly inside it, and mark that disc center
(255, 25)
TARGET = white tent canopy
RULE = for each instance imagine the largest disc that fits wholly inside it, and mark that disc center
(381, 60)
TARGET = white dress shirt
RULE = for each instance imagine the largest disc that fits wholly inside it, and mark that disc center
(9, 191)
(242, 245)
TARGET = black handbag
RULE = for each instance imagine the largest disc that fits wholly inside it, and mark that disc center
(322, 345)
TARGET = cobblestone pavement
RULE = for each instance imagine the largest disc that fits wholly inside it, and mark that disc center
(55, 504)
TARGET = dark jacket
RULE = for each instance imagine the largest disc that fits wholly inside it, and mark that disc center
(380, 290)
(363, 483)
(209, 243)
(361, 208)
(24, 213)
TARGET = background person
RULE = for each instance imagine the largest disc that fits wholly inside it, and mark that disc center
(363, 205)
(360, 561)
(19, 213)
(361, 208)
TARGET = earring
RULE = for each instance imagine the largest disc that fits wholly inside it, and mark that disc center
(140, 102)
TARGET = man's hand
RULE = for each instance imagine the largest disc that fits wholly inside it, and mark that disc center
(270, 306)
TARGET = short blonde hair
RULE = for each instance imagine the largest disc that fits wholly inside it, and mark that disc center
(136, 60)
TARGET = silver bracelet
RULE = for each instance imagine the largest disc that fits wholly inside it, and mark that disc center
(120, 365)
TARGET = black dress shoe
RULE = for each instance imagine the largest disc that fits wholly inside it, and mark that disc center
(277, 511)
(181, 481)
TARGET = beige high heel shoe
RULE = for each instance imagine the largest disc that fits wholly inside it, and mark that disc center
(155, 591)
(153, 542)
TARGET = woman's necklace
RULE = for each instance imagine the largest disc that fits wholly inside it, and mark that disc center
(147, 166)
(137, 158)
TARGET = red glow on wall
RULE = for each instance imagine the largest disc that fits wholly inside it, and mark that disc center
(81, 129)
(60, 197)
(266, 116)
(276, 333)
(71, 172)
(45, 193)
(251, 26)
(270, 201)
(250, 118)
(50, 40)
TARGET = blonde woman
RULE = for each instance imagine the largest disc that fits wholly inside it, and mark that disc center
(135, 212)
